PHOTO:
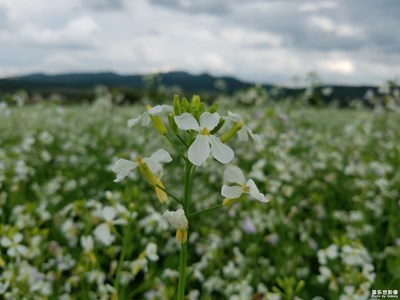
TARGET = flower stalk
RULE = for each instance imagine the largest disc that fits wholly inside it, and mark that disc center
(184, 246)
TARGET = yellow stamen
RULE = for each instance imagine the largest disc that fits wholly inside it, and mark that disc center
(204, 131)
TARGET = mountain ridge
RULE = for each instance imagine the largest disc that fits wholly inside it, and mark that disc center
(81, 85)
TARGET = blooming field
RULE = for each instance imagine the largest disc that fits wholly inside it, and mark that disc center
(330, 228)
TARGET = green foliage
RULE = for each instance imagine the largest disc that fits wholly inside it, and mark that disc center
(332, 176)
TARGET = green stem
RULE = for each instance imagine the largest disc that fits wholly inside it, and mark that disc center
(182, 141)
(206, 209)
(182, 272)
(174, 145)
(183, 254)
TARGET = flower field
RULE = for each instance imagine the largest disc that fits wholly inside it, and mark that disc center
(329, 230)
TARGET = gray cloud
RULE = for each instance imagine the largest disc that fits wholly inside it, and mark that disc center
(5, 21)
(257, 40)
(104, 4)
(211, 7)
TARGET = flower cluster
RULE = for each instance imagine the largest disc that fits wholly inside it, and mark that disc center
(195, 133)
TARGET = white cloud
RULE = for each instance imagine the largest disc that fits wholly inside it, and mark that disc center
(77, 30)
(240, 36)
(340, 66)
(323, 23)
(328, 25)
(255, 40)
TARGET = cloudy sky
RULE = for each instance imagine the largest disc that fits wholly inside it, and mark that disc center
(269, 41)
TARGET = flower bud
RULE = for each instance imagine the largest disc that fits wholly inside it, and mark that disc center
(161, 194)
(146, 172)
(227, 202)
(177, 105)
(231, 132)
(158, 124)
(213, 108)
(172, 124)
(196, 113)
(219, 126)
(201, 107)
(185, 106)
(195, 101)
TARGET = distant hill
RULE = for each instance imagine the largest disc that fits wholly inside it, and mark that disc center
(81, 85)
(187, 82)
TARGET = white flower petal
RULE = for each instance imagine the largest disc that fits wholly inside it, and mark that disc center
(18, 237)
(199, 150)
(119, 221)
(151, 252)
(123, 167)
(87, 242)
(186, 121)
(12, 252)
(242, 133)
(155, 167)
(220, 151)
(21, 249)
(231, 192)
(155, 160)
(209, 120)
(103, 234)
(255, 137)
(144, 117)
(177, 219)
(5, 242)
(109, 213)
(234, 117)
(234, 174)
(158, 109)
(254, 192)
(159, 156)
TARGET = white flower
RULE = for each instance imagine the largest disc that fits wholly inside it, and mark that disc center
(145, 117)
(331, 252)
(123, 166)
(102, 232)
(87, 243)
(179, 221)
(177, 218)
(205, 142)
(245, 131)
(151, 252)
(234, 175)
(14, 247)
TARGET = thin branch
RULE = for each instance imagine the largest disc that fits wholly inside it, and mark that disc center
(206, 209)
(175, 146)
(169, 194)
(182, 141)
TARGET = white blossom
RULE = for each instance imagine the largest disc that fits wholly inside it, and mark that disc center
(13, 245)
(123, 166)
(205, 142)
(234, 175)
(245, 131)
(153, 111)
(177, 218)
